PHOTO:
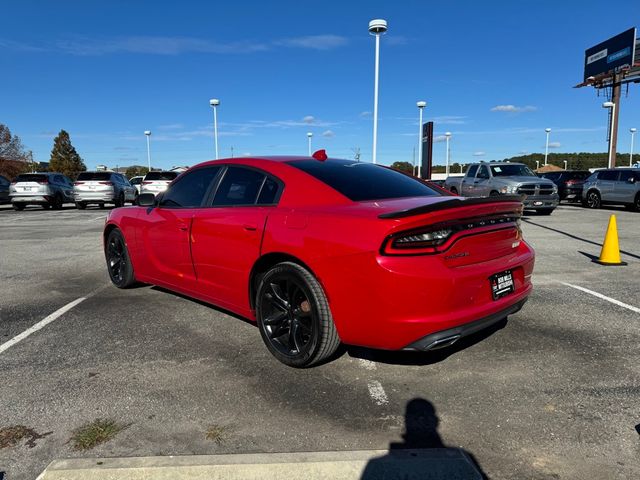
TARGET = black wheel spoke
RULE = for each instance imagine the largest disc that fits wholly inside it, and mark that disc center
(277, 297)
(279, 330)
(294, 344)
(275, 318)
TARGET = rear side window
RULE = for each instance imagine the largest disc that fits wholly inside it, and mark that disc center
(94, 176)
(472, 171)
(628, 175)
(161, 176)
(484, 172)
(269, 192)
(240, 186)
(363, 181)
(608, 175)
(189, 191)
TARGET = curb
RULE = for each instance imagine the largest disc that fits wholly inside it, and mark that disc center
(428, 464)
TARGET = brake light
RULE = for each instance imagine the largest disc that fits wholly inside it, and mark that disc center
(105, 183)
(426, 240)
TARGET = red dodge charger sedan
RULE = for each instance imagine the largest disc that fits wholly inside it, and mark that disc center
(321, 251)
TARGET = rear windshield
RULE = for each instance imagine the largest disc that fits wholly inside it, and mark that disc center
(577, 175)
(31, 177)
(364, 181)
(511, 171)
(95, 176)
(161, 176)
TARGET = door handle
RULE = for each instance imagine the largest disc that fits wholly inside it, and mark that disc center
(183, 227)
(249, 227)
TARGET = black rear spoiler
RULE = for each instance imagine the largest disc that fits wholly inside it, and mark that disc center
(455, 202)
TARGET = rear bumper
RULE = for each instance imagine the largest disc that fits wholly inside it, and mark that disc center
(448, 337)
(533, 202)
(20, 198)
(91, 197)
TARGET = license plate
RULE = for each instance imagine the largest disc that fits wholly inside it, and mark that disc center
(536, 204)
(501, 284)
(92, 188)
(27, 189)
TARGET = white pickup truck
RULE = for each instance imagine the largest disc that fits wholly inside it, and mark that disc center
(500, 178)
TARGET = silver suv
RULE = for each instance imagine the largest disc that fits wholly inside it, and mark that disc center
(157, 182)
(50, 190)
(612, 186)
(101, 188)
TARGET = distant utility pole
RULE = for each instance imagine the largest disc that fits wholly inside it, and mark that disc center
(231, 151)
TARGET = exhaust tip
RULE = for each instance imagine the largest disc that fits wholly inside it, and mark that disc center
(443, 342)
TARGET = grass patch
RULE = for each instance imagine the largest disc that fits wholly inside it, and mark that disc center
(95, 433)
(216, 433)
(11, 436)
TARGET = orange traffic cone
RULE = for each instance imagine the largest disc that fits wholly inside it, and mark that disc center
(610, 254)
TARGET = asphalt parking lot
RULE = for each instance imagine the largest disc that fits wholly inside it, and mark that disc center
(553, 394)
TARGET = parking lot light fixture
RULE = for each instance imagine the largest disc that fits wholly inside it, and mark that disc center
(377, 27)
(420, 106)
(447, 136)
(612, 106)
(309, 135)
(565, 164)
(546, 148)
(537, 165)
(214, 102)
(633, 133)
(147, 133)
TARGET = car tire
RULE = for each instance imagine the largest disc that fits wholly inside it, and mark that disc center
(593, 199)
(636, 203)
(293, 316)
(454, 190)
(119, 201)
(135, 200)
(102, 206)
(57, 202)
(81, 205)
(493, 193)
(46, 206)
(545, 211)
(118, 262)
(18, 206)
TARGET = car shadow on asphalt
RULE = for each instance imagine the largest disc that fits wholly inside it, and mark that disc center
(400, 357)
(422, 453)
(575, 237)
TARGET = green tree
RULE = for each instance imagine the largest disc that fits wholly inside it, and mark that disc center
(405, 167)
(136, 170)
(64, 158)
(14, 159)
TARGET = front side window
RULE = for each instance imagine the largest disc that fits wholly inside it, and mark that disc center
(240, 186)
(484, 172)
(472, 171)
(189, 191)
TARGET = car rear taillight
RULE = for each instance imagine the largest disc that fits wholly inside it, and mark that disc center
(105, 183)
(426, 240)
(78, 183)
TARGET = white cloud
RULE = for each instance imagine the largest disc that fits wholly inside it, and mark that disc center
(328, 133)
(450, 120)
(171, 126)
(365, 114)
(438, 138)
(513, 108)
(479, 154)
(315, 42)
(554, 144)
(309, 119)
(168, 45)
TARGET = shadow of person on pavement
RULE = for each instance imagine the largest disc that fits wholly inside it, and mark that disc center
(422, 454)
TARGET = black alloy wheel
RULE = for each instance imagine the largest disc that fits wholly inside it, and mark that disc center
(636, 204)
(57, 202)
(118, 262)
(293, 316)
(593, 199)
(18, 206)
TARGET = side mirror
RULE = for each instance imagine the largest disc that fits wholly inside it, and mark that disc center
(631, 180)
(146, 200)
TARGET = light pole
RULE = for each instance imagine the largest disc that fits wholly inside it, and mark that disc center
(376, 27)
(214, 102)
(461, 168)
(565, 164)
(447, 135)
(546, 148)
(537, 165)
(420, 106)
(612, 106)
(309, 135)
(147, 133)
(633, 132)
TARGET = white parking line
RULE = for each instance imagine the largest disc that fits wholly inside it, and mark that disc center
(377, 393)
(603, 297)
(368, 364)
(47, 320)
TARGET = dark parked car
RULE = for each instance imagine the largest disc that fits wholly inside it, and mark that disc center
(569, 183)
(50, 190)
(4, 190)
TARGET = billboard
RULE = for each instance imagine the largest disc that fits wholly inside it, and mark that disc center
(612, 54)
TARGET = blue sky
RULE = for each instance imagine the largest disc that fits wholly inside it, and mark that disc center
(495, 74)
